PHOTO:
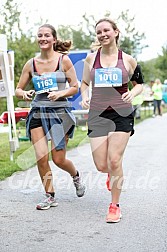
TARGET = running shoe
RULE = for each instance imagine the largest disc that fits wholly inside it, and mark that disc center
(48, 202)
(80, 187)
(108, 182)
(114, 214)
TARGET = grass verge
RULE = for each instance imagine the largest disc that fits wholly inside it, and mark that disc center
(24, 156)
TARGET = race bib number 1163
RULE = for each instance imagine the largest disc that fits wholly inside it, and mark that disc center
(45, 83)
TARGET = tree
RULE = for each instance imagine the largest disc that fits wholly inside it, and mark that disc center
(22, 43)
(156, 68)
(82, 36)
(10, 16)
(25, 47)
(150, 71)
(130, 41)
(161, 64)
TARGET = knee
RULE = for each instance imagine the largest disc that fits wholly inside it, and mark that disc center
(58, 161)
(114, 163)
(101, 167)
(42, 162)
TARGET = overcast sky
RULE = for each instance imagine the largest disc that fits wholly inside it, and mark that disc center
(150, 16)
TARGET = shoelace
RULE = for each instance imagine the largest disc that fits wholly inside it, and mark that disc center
(47, 198)
(76, 181)
(112, 208)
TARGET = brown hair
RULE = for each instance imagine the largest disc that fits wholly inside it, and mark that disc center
(59, 46)
(114, 26)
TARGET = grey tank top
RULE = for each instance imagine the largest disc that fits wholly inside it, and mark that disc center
(41, 99)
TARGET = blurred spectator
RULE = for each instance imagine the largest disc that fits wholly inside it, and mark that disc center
(137, 101)
(157, 95)
(151, 83)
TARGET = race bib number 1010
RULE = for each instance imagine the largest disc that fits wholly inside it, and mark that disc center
(108, 77)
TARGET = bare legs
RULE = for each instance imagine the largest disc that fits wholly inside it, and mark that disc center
(42, 155)
(108, 153)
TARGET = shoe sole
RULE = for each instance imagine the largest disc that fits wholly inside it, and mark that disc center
(46, 208)
(114, 221)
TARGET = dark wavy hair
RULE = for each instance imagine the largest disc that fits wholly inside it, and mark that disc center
(60, 46)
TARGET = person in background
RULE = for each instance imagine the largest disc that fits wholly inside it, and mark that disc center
(157, 95)
(151, 83)
(137, 102)
(110, 118)
(50, 117)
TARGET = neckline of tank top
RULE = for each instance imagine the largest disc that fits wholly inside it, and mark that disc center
(36, 71)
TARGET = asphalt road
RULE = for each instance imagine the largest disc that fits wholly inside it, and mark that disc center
(78, 224)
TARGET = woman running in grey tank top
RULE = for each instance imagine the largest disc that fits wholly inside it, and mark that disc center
(50, 117)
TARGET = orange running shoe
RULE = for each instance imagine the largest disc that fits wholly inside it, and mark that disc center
(108, 182)
(114, 214)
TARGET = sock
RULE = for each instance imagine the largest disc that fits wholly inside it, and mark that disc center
(52, 194)
(117, 204)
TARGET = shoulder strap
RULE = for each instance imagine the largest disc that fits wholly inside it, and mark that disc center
(119, 54)
(33, 66)
(60, 63)
(97, 58)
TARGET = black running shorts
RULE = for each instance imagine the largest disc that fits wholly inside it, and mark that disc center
(101, 123)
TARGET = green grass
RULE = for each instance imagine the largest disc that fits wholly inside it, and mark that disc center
(24, 157)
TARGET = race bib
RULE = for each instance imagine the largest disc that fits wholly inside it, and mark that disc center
(108, 77)
(45, 83)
